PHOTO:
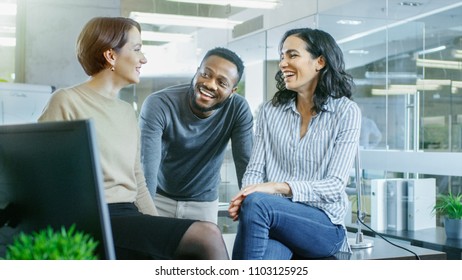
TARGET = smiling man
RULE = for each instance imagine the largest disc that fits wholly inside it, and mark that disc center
(184, 133)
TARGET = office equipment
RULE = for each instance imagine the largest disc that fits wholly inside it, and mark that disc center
(379, 204)
(421, 194)
(396, 204)
(22, 103)
(50, 175)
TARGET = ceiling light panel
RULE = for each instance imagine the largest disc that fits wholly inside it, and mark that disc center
(7, 9)
(252, 4)
(165, 37)
(440, 64)
(410, 4)
(7, 41)
(180, 20)
(349, 22)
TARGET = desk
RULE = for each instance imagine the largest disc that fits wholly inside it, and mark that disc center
(381, 250)
(432, 238)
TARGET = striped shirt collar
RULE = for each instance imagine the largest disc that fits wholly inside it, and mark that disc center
(327, 107)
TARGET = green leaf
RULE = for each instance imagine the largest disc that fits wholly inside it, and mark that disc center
(449, 205)
(48, 244)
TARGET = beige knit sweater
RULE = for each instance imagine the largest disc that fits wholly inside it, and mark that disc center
(118, 140)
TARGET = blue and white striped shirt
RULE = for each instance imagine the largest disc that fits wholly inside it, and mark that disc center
(317, 166)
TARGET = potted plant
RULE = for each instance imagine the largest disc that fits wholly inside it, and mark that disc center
(48, 244)
(450, 207)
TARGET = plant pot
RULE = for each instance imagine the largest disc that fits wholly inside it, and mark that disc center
(453, 228)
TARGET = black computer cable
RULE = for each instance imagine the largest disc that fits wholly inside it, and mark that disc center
(381, 236)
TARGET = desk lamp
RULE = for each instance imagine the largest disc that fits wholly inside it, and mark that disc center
(359, 242)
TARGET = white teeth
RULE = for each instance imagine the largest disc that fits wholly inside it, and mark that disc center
(288, 74)
(206, 93)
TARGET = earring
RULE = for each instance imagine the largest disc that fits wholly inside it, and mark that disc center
(112, 68)
(317, 70)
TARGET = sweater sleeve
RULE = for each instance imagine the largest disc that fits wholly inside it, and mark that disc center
(151, 125)
(242, 141)
(144, 200)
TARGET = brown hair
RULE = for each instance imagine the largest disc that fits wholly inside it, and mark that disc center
(99, 35)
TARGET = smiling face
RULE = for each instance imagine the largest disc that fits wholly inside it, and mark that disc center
(130, 58)
(213, 84)
(299, 68)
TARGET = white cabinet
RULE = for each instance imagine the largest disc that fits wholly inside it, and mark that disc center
(22, 103)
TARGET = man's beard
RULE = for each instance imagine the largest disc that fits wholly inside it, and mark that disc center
(196, 106)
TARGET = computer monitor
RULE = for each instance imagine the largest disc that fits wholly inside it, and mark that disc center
(50, 175)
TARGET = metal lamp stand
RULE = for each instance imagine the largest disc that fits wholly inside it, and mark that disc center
(359, 242)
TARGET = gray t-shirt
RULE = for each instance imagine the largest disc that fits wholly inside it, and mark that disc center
(181, 153)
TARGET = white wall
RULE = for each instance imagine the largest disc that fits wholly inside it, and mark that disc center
(47, 38)
(255, 85)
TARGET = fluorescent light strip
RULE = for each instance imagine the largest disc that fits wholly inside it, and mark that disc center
(180, 20)
(349, 22)
(456, 86)
(437, 49)
(390, 75)
(165, 37)
(440, 64)
(358, 52)
(398, 23)
(424, 82)
(256, 4)
(457, 54)
(7, 9)
(410, 4)
(397, 90)
(8, 29)
(421, 84)
(7, 41)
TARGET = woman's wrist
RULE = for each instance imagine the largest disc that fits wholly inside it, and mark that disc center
(284, 188)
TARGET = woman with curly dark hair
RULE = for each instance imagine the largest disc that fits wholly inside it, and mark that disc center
(293, 200)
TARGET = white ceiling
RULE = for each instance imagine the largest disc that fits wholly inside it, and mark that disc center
(439, 19)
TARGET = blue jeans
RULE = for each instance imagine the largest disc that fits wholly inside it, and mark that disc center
(274, 227)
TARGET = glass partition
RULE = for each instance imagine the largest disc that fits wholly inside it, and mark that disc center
(407, 74)
(252, 50)
(406, 77)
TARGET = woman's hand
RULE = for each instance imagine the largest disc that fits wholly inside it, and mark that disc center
(269, 187)
(235, 205)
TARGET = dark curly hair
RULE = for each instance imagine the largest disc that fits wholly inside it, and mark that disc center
(333, 80)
